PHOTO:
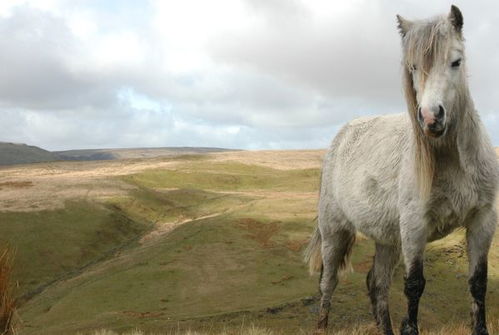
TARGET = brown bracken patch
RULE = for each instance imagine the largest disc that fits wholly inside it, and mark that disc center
(16, 184)
(259, 231)
(143, 315)
(296, 245)
(363, 267)
(282, 280)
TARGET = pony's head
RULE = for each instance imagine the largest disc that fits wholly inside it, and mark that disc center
(434, 84)
(434, 75)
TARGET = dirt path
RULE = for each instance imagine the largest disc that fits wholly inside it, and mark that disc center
(164, 228)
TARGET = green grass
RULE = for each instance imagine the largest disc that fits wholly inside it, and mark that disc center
(203, 268)
(52, 243)
(228, 176)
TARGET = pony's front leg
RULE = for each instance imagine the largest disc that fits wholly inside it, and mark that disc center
(479, 237)
(378, 284)
(413, 238)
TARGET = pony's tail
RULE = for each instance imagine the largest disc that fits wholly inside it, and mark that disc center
(313, 255)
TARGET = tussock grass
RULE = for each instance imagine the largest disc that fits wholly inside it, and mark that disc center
(251, 330)
(7, 301)
(453, 329)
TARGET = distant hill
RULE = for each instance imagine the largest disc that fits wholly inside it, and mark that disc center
(16, 153)
(128, 153)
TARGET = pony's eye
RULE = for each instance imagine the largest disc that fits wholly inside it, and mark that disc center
(456, 63)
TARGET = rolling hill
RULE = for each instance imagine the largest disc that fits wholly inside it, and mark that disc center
(132, 153)
(17, 153)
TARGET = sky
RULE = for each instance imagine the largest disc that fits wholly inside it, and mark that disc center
(247, 74)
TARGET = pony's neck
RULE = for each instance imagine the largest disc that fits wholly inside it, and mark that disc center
(462, 144)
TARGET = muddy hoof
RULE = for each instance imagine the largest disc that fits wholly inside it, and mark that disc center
(408, 329)
(480, 331)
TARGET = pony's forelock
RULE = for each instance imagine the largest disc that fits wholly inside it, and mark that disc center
(426, 44)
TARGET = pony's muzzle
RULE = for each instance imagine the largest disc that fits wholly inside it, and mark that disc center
(432, 120)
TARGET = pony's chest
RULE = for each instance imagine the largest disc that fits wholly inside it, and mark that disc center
(452, 209)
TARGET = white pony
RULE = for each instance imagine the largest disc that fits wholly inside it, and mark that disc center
(405, 180)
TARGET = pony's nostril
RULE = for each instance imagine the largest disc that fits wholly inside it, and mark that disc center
(420, 115)
(440, 113)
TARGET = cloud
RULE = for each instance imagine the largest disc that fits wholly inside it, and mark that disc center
(336, 57)
(227, 73)
(44, 67)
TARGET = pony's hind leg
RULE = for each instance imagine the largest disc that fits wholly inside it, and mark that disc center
(378, 284)
(335, 248)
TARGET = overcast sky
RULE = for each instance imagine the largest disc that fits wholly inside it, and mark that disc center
(251, 74)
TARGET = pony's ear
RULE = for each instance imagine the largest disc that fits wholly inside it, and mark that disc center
(403, 25)
(456, 18)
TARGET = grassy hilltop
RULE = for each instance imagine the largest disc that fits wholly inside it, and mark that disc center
(209, 243)
(17, 153)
